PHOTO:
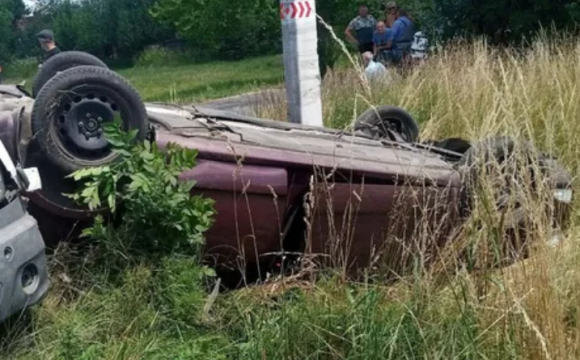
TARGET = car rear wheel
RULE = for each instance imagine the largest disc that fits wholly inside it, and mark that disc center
(71, 109)
(498, 162)
(61, 62)
(378, 121)
(501, 179)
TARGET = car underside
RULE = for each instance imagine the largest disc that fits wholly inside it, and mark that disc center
(355, 197)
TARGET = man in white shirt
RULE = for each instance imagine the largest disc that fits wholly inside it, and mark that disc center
(374, 70)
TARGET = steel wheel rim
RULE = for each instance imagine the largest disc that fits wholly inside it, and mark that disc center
(79, 121)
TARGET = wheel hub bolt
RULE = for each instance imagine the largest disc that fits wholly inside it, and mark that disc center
(88, 116)
(100, 119)
(81, 125)
(100, 131)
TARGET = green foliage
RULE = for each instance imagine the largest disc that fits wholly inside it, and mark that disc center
(10, 12)
(140, 316)
(5, 33)
(107, 28)
(157, 207)
(505, 21)
(158, 80)
(229, 30)
(21, 69)
(157, 56)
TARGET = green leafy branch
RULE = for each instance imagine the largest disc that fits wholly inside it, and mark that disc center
(144, 181)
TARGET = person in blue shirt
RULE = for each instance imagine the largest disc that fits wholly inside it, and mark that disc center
(381, 39)
(403, 32)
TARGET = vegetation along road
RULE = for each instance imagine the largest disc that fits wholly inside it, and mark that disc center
(113, 297)
(113, 301)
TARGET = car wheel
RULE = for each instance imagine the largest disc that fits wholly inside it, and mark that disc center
(500, 160)
(377, 121)
(71, 109)
(499, 175)
(60, 62)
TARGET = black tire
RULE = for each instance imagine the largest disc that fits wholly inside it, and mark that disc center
(58, 121)
(377, 120)
(61, 62)
(494, 171)
(456, 145)
(483, 155)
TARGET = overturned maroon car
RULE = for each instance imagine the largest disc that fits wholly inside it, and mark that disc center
(279, 188)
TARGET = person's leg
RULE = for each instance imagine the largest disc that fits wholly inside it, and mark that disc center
(383, 56)
(392, 56)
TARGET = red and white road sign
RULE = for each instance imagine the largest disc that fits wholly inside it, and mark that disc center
(295, 10)
(301, 72)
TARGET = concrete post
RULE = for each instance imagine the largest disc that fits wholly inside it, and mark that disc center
(302, 75)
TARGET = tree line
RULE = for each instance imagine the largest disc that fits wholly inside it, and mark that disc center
(220, 29)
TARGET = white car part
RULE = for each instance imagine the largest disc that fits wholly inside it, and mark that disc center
(27, 180)
(563, 195)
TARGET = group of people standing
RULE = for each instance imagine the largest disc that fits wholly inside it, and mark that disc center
(388, 40)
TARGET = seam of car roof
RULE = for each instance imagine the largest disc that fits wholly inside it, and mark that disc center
(219, 116)
(443, 165)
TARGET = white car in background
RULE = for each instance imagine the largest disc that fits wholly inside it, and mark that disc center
(420, 47)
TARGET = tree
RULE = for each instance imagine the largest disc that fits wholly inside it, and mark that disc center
(5, 34)
(228, 29)
(10, 12)
(107, 28)
(505, 21)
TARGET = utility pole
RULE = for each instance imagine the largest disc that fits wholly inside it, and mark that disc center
(302, 75)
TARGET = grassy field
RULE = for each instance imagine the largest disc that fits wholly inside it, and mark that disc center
(196, 83)
(527, 311)
(188, 83)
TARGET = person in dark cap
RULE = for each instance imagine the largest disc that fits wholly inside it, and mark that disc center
(46, 40)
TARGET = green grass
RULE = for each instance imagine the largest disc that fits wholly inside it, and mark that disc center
(189, 83)
(195, 83)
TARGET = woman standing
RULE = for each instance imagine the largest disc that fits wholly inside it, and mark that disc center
(391, 12)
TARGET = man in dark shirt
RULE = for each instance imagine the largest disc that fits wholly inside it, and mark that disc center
(364, 27)
(46, 41)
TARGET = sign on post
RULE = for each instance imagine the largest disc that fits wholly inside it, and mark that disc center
(302, 75)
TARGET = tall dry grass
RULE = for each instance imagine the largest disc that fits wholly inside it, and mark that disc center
(473, 91)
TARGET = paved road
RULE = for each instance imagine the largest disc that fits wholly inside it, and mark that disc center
(245, 104)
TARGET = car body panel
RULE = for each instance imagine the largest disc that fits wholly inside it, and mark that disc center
(259, 170)
(22, 250)
(359, 224)
(23, 265)
(351, 195)
(249, 201)
(262, 143)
